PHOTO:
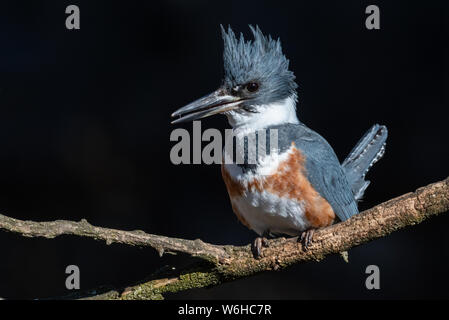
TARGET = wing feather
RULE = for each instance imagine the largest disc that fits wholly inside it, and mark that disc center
(323, 169)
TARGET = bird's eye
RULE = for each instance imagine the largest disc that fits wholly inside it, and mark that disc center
(252, 87)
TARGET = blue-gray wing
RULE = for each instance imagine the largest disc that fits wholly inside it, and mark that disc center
(323, 169)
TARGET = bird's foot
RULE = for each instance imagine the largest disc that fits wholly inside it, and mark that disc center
(306, 238)
(257, 245)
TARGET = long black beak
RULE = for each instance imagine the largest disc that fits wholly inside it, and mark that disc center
(216, 102)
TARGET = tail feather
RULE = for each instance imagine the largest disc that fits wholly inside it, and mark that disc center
(369, 149)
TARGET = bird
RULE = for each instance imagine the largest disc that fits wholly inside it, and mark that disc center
(299, 186)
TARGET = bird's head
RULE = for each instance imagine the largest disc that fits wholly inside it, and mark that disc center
(257, 90)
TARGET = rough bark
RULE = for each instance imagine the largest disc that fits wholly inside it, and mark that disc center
(218, 264)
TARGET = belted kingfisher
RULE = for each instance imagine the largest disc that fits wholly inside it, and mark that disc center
(301, 186)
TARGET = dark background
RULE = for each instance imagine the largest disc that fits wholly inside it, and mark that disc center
(84, 133)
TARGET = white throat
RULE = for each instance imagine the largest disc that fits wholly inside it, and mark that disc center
(271, 114)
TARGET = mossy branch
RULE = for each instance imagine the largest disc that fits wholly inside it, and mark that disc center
(219, 264)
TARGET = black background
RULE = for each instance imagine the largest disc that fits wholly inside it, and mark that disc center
(84, 133)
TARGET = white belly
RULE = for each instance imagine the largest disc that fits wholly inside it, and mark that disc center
(264, 212)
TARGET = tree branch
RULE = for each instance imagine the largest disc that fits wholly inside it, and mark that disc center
(52, 229)
(226, 263)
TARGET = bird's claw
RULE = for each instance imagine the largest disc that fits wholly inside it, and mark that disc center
(257, 245)
(306, 238)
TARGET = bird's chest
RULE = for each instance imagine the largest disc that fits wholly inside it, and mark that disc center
(276, 196)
